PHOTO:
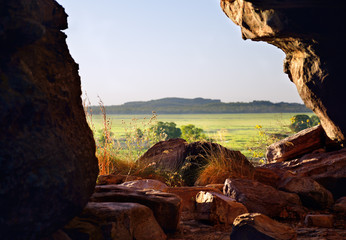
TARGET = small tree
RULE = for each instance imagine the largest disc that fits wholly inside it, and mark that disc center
(168, 128)
(192, 133)
(301, 121)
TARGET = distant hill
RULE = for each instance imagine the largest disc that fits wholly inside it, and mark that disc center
(200, 105)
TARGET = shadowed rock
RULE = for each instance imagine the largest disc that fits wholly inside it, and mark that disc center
(162, 204)
(311, 34)
(311, 193)
(260, 227)
(115, 221)
(48, 166)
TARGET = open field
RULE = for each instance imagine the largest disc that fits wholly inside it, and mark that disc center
(234, 131)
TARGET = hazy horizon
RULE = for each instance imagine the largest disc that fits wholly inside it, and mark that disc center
(139, 51)
(95, 104)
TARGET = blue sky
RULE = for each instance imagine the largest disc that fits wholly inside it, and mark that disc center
(142, 50)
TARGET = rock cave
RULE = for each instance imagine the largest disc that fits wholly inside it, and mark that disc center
(47, 158)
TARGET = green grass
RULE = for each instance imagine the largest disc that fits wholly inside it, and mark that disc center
(233, 131)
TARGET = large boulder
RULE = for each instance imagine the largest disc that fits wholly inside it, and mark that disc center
(176, 155)
(260, 227)
(167, 155)
(108, 220)
(261, 198)
(307, 31)
(48, 166)
(162, 204)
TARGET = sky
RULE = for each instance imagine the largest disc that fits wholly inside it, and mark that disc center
(143, 50)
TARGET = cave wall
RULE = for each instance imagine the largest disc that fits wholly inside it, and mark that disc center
(310, 32)
(48, 167)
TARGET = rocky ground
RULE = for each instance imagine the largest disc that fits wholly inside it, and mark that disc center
(302, 197)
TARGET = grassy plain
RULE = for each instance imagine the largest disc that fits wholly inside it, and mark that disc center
(235, 131)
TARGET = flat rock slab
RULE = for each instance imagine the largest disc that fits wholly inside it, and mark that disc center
(328, 169)
(218, 208)
(261, 198)
(115, 179)
(165, 206)
(260, 227)
(319, 220)
(305, 141)
(146, 184)
(107, 220)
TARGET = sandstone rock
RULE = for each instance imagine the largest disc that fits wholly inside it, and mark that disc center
(47, 156)
(217, 208)
(261, 198)
(320, 220)
(328, 169)
(305, 141)
(107, 220)
(115, 179)
(162, 204)
(168, 155)
(260, 227)
(146, 184)
(266, 176)
(312, 61)
(188, 196)
(311, 193)
(340, 206)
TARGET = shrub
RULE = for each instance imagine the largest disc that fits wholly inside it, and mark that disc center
(191, 133)
(301, 121)
(168, 128)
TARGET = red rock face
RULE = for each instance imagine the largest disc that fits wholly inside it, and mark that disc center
(310, 34)
(48, 167)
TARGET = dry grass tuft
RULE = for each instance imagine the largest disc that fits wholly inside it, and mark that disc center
(224, 163)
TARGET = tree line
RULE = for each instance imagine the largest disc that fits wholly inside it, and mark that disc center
(200, 106)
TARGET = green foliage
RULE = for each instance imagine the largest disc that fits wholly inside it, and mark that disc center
(168, 128)
(258, 145)
(301, 121)
(191, 133)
